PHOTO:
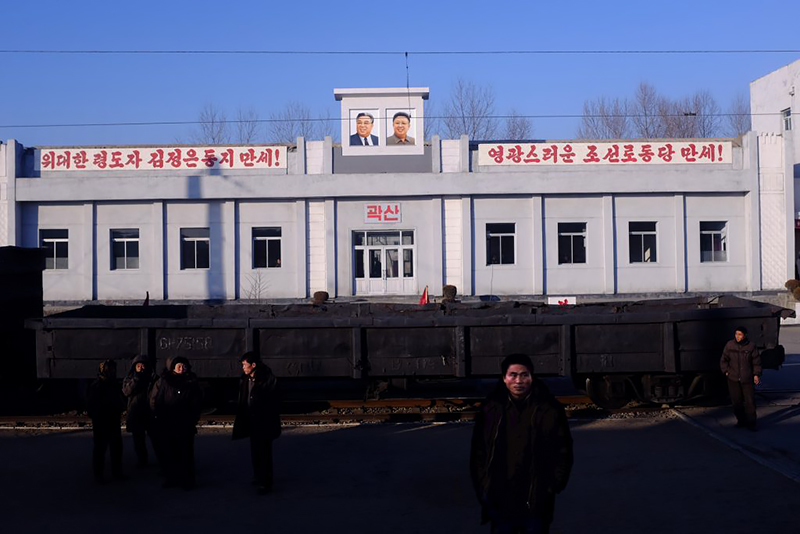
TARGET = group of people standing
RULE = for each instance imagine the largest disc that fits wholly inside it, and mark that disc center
(166, 408)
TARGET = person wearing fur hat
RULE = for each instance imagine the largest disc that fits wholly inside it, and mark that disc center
(136, 387)
(175, 402)
(741, 364)
(105, 404)
(258, 416)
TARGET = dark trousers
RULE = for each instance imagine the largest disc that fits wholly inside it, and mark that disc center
(261, 454)
(529, 525)
(106, 436)
(140, 445)
(178, 458)
(743, 397)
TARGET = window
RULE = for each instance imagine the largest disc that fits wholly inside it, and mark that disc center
(56, 245)
(787, 119)
(500, 243)
(713, 241)
(642, 242)
(125, 249)
(195, 248)
(571, 243)
(266, 248)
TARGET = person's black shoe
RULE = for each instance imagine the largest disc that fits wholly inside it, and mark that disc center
(264, 490)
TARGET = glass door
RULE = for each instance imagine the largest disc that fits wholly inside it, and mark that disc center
(384, 262)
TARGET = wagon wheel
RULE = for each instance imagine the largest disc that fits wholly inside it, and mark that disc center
(607, 392)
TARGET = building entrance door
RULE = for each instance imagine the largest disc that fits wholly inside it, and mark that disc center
(384, 262)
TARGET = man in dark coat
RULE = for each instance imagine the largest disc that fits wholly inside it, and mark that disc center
(105, 404)
(258, 416)
(741, 363)
(175, 401)
(521, 453)
(136, 386)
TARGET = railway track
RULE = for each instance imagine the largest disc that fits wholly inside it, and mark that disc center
(346, 412)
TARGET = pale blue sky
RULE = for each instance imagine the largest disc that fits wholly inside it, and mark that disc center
(47, 89)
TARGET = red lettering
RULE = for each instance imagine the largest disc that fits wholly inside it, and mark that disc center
(100, 159)
(550, 152)
(63, 160)
(689, 153)
(531, 156)
(646, 153)
(209, 159)
(515, 154)
(497, 154)
(48, 160)
(174, 158)
(227, 157)
(191, 158)
(248, 157)
(157, 159)
(708, 152)
(265, 156)
(666, 152)
(116, 160)
(374, 212)
(627, 155)
(80, 160)
(591, 156)
(567, 154)
(391, 210)
(612, 154)
(134, 159)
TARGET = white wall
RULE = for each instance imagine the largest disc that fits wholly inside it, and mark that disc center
(646, 277)
(730, 275)
(271, 282)
(771, 94)
(216, 282)
(574, 279)
(504, 279)
(75, 282)
(127, 283)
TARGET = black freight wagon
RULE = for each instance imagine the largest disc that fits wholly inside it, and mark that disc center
(655, 350)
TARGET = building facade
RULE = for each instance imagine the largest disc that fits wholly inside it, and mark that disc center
(545, 218)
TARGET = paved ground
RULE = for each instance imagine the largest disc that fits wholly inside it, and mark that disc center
(688, 472)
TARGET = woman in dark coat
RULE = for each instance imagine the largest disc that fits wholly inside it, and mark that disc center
(105, 404)
(258, 416)
(175, 402)
(136, 386)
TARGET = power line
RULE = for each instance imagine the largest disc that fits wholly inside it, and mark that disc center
(344, 119)
(398, 53)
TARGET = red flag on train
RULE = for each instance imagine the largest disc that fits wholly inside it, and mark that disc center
(424, 298)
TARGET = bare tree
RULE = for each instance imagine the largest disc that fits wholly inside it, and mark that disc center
(247, 123)
(327, 126)
(708, 121)
(293, 121)
(431, 121)
(605, 119)
(644, 111)
(469, 111)
(518, 127)
(738, 116)
(213, 127)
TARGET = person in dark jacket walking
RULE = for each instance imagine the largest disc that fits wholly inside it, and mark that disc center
(136, 386)
(741, 363)
(258, 416)
(521, 454)
(175, 401)
(105, 404)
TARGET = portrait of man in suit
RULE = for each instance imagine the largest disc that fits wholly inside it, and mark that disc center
(363, 136)
(401, 122)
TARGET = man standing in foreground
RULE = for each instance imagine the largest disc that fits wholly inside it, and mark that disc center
(258, 416)
(741, 364)
(521, 452)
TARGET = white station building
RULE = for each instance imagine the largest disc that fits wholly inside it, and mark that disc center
(384, 214)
